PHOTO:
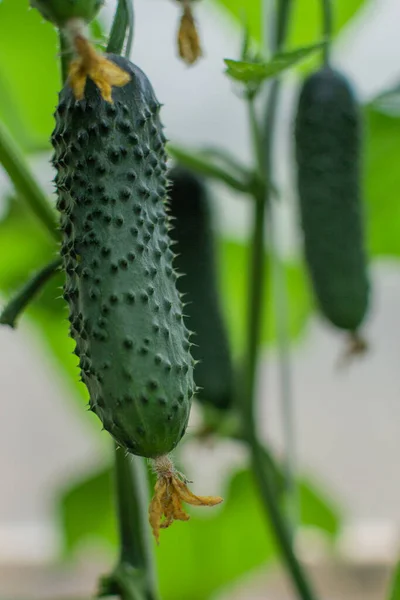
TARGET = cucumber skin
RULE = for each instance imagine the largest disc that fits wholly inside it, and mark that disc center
(328, 152)
(193, 232)
(125, 310)
(60, 11)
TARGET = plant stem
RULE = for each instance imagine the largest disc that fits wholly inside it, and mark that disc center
(201, 164)
(134, 577)
(256, 290)
(285, 376)
(264, 481)
(26, 294)
(327, 29)
(280, 293)
(65, 56)
(132, 498)
(267, 490)
(123, 21)
(24, 182)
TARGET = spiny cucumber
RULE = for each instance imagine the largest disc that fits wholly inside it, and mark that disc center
(125, 311)
(193, 232)
(328, 138)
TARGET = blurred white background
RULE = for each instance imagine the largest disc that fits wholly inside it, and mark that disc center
(348, 423)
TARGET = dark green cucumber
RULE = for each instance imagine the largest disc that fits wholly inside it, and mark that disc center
(125, 310)
(60, 11)
(328, 151)
(193, 232)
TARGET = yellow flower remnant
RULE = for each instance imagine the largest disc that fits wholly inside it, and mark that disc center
(169, 493)
(103, 72)
(356, 346)
(188, 37)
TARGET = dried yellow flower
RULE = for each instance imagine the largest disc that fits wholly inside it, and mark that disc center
(188, 37)
(103, 72)
(170, 491)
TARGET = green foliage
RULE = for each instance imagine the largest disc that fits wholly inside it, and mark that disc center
(234, 258)
(382, 182)
(25, 246)
(316, 510)
(257, 72)
(87, 511)
(388, 102)
(306, 20)
(394, 593)
(213, 552)
(29, 73)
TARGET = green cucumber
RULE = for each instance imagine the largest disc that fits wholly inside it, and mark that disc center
(60, 11)
(194, 236)
(328, 152)
(126, 314)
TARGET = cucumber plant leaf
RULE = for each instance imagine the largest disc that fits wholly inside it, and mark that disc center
(306, 22)
(189, 566)
(382, 182)
(257, 72)
(234, 257)
(388, 102)
(394, 593)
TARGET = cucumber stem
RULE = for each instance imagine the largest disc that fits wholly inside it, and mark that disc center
(27, 293)
(123, 21)
(134, 578)
(65, 56)
(24, 181)
(327, 29)
(200, 163)
(265, 482)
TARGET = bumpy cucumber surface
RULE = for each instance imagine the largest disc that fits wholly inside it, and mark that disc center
(193, 232)
(125, 311)
(328, 138)
(60, 11)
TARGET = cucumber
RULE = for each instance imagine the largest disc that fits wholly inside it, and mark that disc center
(60, 11)
(328, 152)
(126, 314)
(193, 233)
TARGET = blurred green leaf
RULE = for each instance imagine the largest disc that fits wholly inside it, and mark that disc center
(234, 257)
(29, 72)
(215, 549)
(24, 246)
(307, 19)
(87, 511)
(210, 552)
(255, 72)
(194, 559)
(306, 25)
(317, 509)
(382, 183)
(388, 102)
(394, 593)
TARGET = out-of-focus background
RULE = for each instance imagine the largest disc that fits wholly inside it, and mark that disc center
(55, 497)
